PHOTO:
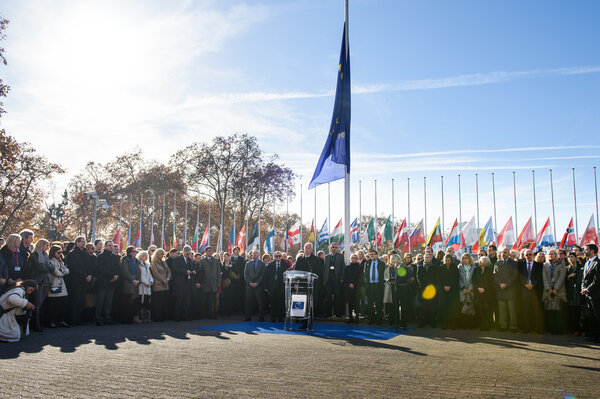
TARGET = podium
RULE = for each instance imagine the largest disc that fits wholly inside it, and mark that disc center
(299, 307)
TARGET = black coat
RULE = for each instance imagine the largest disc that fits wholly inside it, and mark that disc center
(78, 262)
(352, 274)
(591, 279)
(536, 276)
(367, 275)
(338, 266)
(484, 279)
(179, 275)
(428, 274)
(272, 284)
(107, 266)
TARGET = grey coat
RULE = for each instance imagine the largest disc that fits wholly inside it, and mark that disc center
(506, 272)
(212, 274)
(558, 284)
(462, 280)
(254, 276)
(127, 277)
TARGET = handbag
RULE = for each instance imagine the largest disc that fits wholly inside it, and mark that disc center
(467, 308)
(552, 303)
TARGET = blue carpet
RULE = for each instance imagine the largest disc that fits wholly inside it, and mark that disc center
(348, 331)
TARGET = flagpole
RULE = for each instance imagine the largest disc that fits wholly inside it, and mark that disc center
(376, 223)
(152, 222)
(347, 239)
(301, 215)
(477, 202)
(515, 201)
(575, 203)
(596, 191)
(185, 224)
(408, 217)
(425, 203)
(315, 238)
(129, 229)
(162, 233)
(535, 231)
(221, 218)
(495, 217)
(141, 217)
(287, 227)
(247, 225)
(234, 216)
(459, 205)
(359, 211)
(120, 218)
(259, 212)
(208, 238)
(197, 231)
(443, 231)
(553, 213)
(174, 216)
(328, 215)
(393, 218)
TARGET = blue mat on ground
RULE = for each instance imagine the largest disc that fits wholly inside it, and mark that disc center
(327, 330)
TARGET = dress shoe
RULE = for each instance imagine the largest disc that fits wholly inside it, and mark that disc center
(51, 325)
(63, 324)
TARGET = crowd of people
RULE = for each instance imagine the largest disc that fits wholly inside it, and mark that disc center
(65, 284)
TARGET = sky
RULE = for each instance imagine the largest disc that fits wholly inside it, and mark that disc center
(439, 89)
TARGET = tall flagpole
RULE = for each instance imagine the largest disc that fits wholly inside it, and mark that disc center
(408, 216)
(376, 223)
(553, 213)
(515, 201)
(495, 217)
(359, 210)
(162, 232)
(596, 191)
(287, 213)
(141, 217)
(247, 221)
(120, 218)
(260, 198)
(443, 231)
(477, 202)
(425, 204)
(328, 215)
(347, 239)
(393, 217)
(535, 230)
(222, 217)
(575, 203)
(459, 205)
(152, 221)
(197, 231)
(185, 224)
(129, 229)
(174, 216)
(234, 215)
(315, 221)
(301, 216)
(208, 238)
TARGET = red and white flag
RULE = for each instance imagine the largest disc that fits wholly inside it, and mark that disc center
(589, 235)
(569, 237)
(294, 234)
(526, 237)
(506, 237)
(401, 237)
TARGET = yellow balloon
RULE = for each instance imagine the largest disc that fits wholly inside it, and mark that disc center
(429, 292)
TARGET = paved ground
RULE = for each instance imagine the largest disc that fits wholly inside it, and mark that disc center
(175, 360)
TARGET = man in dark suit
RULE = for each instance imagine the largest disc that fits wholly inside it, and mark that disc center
(254, 273)
(78, 279)
(311, 263)
(275, 286)
(107, 276)
(506, 278)
(182, 271)
(373, 283)
(238, 286)
(211, 268)
(532, 286)
(333, 276)
(352, 274)
(590, 287)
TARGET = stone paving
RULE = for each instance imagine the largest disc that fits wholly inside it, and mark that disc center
(175, 360)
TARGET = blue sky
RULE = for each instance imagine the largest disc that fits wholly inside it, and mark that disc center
(438, 88)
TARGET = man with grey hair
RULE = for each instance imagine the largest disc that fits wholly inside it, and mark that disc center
(253, 274)
(78, 279)
(311, 263)
(182, 271)
(26, 240)
(211, 268)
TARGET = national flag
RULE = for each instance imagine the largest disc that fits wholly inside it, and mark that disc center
(269, 246)
(526, 237)
(401, 237)
(195, 241)
(354, 234)
(311, 236)
(138, 239)
(435, 235)
(469, 233)
(152, 236)
(204, 242)
(569, 237)
(386, 232)
(163, 242)
(323, 234)
(545, 237)
(589, 235)
(486, 236)
(334, 162)
(231, 242)
(506, 237)
(254, 241)
(417, 237)
(294, 236)
(337, 235)
(369, 234)
(241, 239)
(174, 240)
(116, 239)
(455, 239)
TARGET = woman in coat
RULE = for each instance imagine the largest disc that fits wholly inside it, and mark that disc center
(14, 322)
(485, 298)
(466, 293)
(41, 272)
(130, 279)
(449, 293)
(574, 297)
(555, 292)
(145, 286)
(57, 306)
(160, 288)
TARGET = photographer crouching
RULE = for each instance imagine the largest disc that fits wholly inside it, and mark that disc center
(16, 311)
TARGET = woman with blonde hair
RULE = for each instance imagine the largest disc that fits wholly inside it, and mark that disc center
(57, 305)
(555, 292)
(145, 286)
(41, 272)
(466, 295)
(160, 288)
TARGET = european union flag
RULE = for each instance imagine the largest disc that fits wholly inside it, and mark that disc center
(335, 158)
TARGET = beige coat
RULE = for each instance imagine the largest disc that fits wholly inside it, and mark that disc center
(161, 274)
(14, 300)
(60, 270)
